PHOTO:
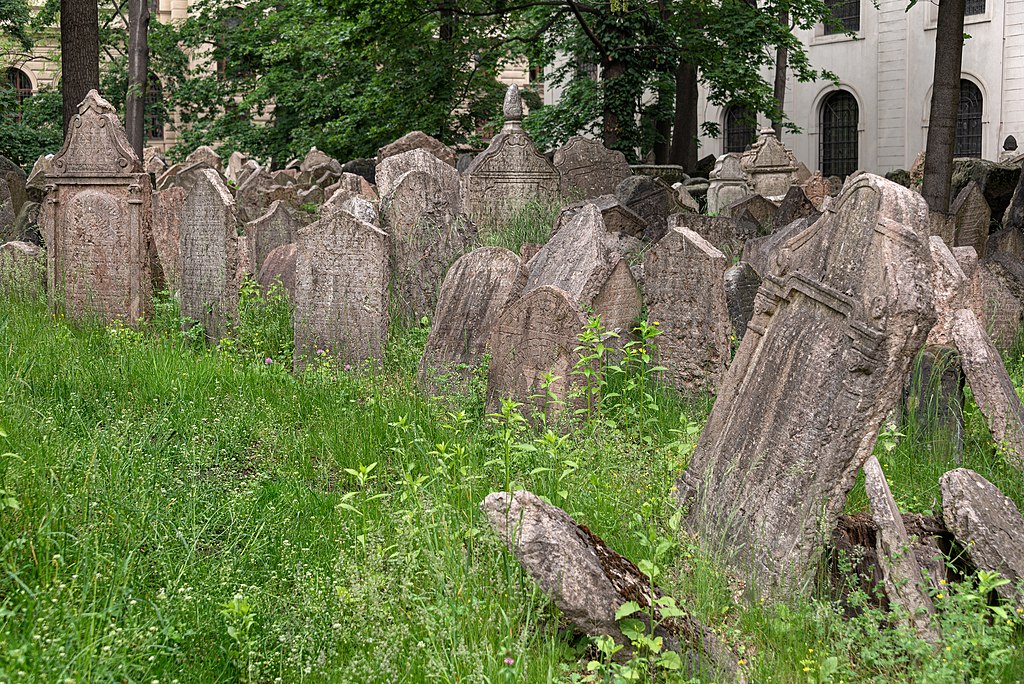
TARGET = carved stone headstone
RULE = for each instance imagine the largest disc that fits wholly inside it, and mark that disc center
(934, 397)
(763, 253)
(423, 215)
(763, 212)
(817, 189)
(1001, 307)
(341, 289)
(771, 167)
(417, 159)
(728, 183)
(277, 227)
(972, 216)
(234, 167)
(209, 255)
(96, 220)
(167, 211)
(205, 155)
(279, 267)
(618, 219)
(652, 200)
(509, 173)
(684, 290)
(35, 185)
(720, 231)
(22, 270)
(536, 336)
(14, 178)
(794, 206)
(987, 524)
(315, 158)
(417, 140)
(589, 169)
(834, 331)
(476, 290)
(741, 285)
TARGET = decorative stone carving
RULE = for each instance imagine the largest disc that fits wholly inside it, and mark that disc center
(589, 169)
(728, 183)
(771, 167)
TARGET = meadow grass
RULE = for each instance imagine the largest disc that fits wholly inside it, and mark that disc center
(172, 512)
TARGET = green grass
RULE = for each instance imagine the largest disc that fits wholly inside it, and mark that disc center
(201, 515)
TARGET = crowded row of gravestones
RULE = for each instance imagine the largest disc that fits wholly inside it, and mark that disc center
(833, 292)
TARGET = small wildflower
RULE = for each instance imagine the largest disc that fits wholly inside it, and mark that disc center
(940, 596)
(268, 360)
(741, 662)
(510, 661)
(348, 366)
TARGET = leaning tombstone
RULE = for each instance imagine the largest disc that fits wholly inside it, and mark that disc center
(510, 173)
(770, 166)
(209, 255)
(817, 189)
(394, 167)
(315, 158)
(417, 140)
(96, 220)
(589, 169)
(685, 296)
(652, 200)
(834, 331)
(728, 183)
(934, 397)
(167, 212)
(720, 231)
(277, 227)
(972, 217)
(741, 285)
(795, 206)
(618, 218)
(205, 155)
(533, 354)
(341, 290)
(476, 290)
(278, 269)
(22, 270)
(762, 211)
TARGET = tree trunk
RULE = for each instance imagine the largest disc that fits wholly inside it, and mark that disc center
(663, 125)
(684, 130)
(938, 162)
(781, 65)
(138, 68)
(79, 54)
(611, 126)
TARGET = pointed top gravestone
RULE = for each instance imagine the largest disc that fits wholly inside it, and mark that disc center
(397, 165)
(972, 217)
(205, 155)
(271, 230)
(727, 184)
(588, 168)
(835, 329)
(770, 166)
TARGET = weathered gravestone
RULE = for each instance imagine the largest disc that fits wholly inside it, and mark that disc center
(279, 269)
(96, 219)
(279, 226)
(167, 211)
(934, 397)
(618, 218)
(587, 261)
(205, 155)
(684, 292)
(817, 189)
(795, 206)
(757, 214)
(209, 254)
(589, 169)
(741, 285)
(533, 353)
(35, 185)
(972, 217)
(652, 200)
(397, 165)
(1001, 306)
(423, 216)
(478, 288)
(834, 331)
(728, 183)
(720, 231)
(988, 525)
(341, 289)
(770, 166)
(510, 173)
(763, 253)
(22, 270)
(315, 158)
(417, 140)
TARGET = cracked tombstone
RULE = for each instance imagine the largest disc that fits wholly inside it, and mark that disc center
(972, 217)
(476, 290)
(904, 581)
(587, 261)
(741, 285)
(423, 215)
(341, 290)
(96, 220)
(684, 290)
(589, 582)
(835, 329)
(589, 169)
(209, 255)
(987, 524)
(510, 173)
(533, 354)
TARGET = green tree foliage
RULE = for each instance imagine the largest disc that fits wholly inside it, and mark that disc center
(14, 21)
(32, 129)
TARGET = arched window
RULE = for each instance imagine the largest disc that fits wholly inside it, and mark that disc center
(839, 119)
(21, 83)
(847, 13)
(968, 121)
(740, 128)
(154, 106)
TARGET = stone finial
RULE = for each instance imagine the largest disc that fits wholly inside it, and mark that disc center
(513, 104)
(95, 102)
(1010, 144)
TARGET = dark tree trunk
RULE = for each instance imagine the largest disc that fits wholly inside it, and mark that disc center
(79, 54)
(663, 125)
(781, 66)
(611, 126)
(938, 162)
(138, 68)
(684, 129)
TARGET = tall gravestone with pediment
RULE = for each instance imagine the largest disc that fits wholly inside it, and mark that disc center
(770, 166)
(509, 173)
(209, 254)
(589, 169)
(96, 219)
(836, 326)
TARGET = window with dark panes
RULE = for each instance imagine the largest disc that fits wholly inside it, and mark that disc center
(847, 13)
(154, 104)
(974, 7)
(968, 121)
(740, 128)
(839, 144)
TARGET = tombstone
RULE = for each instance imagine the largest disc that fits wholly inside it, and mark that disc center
(279, 267)
(476, 290)
(205, 155)
(22, 270)
(770, 166)
(720, 231)
(685, 296)
(587, 262)
(762, 211)
(972, 216)
(235, 163)
(510, 173)
(685, 199)
(741, 285)
(589, 169)
(417, 140)
(618, 219)
(650, 199)
(423, 215)
(1001, 308)
(165, 179)
(248, 167)
(14, 177)
(209, 255)
(988, 525)
(7, 214)
(253, 195)
(315, 158)
(341, 290)
(96, 220)
(167, 212)
(763, 253)
(934, 397)
(795, 206)
(361, 167)
(535, 339)
(950, 286)
(279, 226)
(835, 328)
(728, 183)
(817, 189)
(396, 166)
(352, 183)
(26, 223)
(35, 186)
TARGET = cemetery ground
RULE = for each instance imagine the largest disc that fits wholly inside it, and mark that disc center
(177, 512)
